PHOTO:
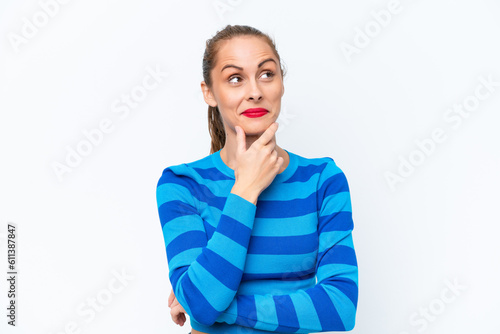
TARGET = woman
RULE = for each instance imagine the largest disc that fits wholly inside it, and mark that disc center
(249, 228)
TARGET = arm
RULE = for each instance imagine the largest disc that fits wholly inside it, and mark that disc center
(331, 304)
(205, 275)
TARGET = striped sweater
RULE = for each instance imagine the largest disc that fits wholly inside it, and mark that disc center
(284, 265)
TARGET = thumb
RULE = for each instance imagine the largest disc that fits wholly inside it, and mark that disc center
(240, 139)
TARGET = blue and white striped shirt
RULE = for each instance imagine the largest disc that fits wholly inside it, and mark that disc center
(285, 265)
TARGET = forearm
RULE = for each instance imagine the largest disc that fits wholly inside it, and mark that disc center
(328, 306)
(210, 282)
(204, 275)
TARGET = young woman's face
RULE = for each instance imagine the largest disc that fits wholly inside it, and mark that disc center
(247, 75)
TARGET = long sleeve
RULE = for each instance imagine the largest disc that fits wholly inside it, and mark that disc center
(205, 274)
(331, 304)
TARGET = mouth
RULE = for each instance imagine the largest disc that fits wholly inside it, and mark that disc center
(255, 112)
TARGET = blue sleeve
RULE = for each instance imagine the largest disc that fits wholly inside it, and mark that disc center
(205, 274)
(331, 304)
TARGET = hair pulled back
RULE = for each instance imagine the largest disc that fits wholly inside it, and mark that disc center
(215, 124)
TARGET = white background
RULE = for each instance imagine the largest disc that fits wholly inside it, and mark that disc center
(366, 111)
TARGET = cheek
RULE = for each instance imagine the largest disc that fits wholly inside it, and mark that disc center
(231, 98)
(276, 92)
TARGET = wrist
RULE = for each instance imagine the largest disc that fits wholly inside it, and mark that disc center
(246, 193)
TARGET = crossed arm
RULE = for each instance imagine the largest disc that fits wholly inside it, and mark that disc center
(328, 306)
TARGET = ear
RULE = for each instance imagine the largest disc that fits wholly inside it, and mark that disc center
(207, 95)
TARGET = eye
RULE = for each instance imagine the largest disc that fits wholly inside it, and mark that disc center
(233, 77)
(269, 73)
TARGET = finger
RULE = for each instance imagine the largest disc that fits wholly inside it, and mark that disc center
(182, 319)
(178, 309)
(268, 134)
(240, 139)
(171, 298)
(175, 313)
(280, 162)
(274, 154)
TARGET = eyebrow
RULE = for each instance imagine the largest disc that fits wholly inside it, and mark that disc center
(241, 68)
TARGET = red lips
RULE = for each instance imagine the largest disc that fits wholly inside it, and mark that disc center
(255, 112)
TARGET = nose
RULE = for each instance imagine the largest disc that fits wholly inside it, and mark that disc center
(254, 92)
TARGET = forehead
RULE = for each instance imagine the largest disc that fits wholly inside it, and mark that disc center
(241, 50)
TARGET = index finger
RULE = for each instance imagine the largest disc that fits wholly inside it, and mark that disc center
(268, 134)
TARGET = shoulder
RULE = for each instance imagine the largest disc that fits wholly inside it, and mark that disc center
(324, 166)
(186, 173)
(180, 182)
(330, 177)
(332, 170)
